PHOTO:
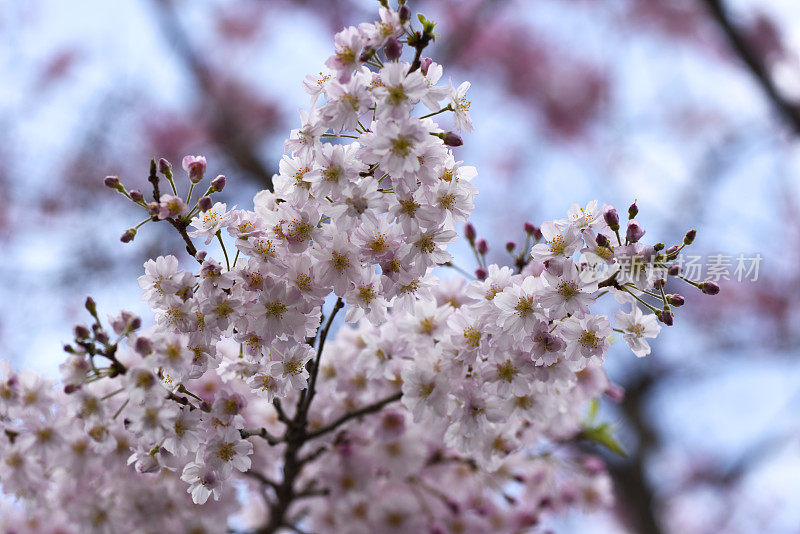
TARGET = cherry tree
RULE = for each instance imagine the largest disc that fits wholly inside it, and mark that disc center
(453, 398)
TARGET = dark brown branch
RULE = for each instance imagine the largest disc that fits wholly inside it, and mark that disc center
(261, 478)
(261, 433)
(370, 408)
(308, 395)
(755, 64)
(239, 147)
(181, 228)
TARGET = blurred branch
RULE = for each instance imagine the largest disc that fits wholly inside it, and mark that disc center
(224, 126)
(630, 476)
(748, 54)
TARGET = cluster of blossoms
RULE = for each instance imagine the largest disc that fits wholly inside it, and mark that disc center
(457, 401)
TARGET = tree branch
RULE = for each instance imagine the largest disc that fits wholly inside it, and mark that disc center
(261, 433)
(370, 408)
(789, 111)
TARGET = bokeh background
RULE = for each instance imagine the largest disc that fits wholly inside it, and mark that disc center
(690, 106)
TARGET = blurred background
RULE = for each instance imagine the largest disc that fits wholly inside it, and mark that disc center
(690, 106)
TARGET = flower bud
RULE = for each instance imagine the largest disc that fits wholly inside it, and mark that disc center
(615, 393)
(90, 306)
(709, 288)
(424, 63)
(676, 300)
(452, 139)
(666, 317)
(688, 239)
(101, 336)
(128, 235)
(481, 273)
(195, 166)
(204, 203)
(136, 195)
(201, 255)
(81, 332)
(143, 346)
(634, 233)
(218, 183)
(482, 246)
(674, 270)
(366, 55)
(659, 246)
(165, 167)
(69, 389)
(469, 232)
(404, 13)
(602, 241)
(112, 182)
(152, 209)
(658, 284)
(393, 49)
(633, 211)
(611, 217)
(510, 246)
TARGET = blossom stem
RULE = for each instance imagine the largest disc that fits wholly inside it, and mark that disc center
(224, 251)
(119, 410)
(457, 268)
(108, 396)
(651, 308)
(448, 107)
(339, 135)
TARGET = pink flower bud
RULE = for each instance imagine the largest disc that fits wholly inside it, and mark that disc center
(676, 300)
(482, 246)
(165, 167)
(111, 182)
(452, 139)
(469, 232)
(709, 288)
(634, 233)
(615, 393)
(143, 346)
(204, 203)
(218, 183)
(81, 332)
(424, 63)
(128, 235)
(136, 195)
(633, 211)
(481, 273)
(393, 49)
(404, 13)
(510, 246)
(611, 217)
(195, 166)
